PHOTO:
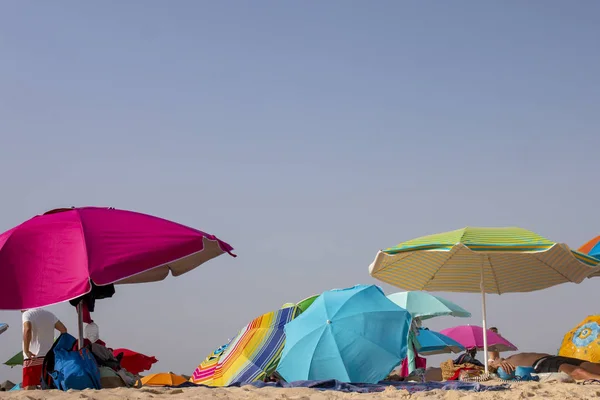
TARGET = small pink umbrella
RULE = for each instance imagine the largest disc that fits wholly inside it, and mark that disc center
(472, 336)
(56, 256)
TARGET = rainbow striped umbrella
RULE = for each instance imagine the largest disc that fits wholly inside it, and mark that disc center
(250, 356)
(206, 370)
(486, 260)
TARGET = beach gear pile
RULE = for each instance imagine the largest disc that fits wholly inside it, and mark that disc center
(65, 368)
(81, 252)
(344, 336)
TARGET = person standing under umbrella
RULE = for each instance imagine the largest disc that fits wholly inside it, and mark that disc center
(38, 337)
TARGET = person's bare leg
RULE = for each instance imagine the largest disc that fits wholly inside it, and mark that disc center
(578, 373)
(591, 367)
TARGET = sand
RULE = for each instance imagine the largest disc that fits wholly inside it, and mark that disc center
(522, 390)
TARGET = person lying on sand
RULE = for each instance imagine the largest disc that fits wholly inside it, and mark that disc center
(541, 362)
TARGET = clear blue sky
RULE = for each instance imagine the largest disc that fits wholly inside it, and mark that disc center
(308, 135)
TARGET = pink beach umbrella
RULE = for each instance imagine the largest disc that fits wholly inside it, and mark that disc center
(472, 336)
(54, 257)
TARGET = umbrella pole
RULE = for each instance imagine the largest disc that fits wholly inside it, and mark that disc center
(485, 342)
(80, 324)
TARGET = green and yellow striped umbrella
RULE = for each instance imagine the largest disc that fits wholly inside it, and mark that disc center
(506, 259)
(302, 304)
(486, 260)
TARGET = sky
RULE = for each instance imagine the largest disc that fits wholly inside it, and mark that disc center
(308, 135)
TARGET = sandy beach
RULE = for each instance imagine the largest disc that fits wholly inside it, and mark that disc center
(522, 390)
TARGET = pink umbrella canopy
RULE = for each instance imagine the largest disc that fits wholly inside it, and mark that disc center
(53, 257)
(472, 336)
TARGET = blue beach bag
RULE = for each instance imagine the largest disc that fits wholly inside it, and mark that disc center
(72, 369)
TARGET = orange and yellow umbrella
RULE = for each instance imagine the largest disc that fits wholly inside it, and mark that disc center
(583, 341)
(163, 379)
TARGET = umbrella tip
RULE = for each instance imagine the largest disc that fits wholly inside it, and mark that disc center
(58, 210)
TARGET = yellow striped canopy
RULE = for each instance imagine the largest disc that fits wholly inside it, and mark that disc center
(510, 259)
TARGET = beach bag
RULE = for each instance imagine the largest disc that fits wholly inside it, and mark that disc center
(64, 341)
(68, 369)
(110, 379)
(104, 357)
(75, 370)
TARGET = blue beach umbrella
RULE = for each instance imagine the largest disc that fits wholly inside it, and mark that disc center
(429, 343)
(16, 387)
(3, 327)
(352, 335)
(423, 305)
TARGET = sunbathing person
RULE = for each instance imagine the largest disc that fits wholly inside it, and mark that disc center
(541, 362)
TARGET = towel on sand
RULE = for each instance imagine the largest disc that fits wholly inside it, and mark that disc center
(411, 387)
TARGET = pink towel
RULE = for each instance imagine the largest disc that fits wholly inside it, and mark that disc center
(420, 362)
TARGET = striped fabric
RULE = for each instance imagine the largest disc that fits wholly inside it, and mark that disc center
(512, 260)
(251, 356)
(206, 370)
(33, 362)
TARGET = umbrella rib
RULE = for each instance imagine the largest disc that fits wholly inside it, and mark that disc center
(377, 345)
(411, 254)
(364, 337)
(305, 337)
(370, 312)
(549, 266)
(166, 264)
(440, 267)
(339, 353)
(315, 349)
(84, 236)
(251, 358)
(494, 275)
